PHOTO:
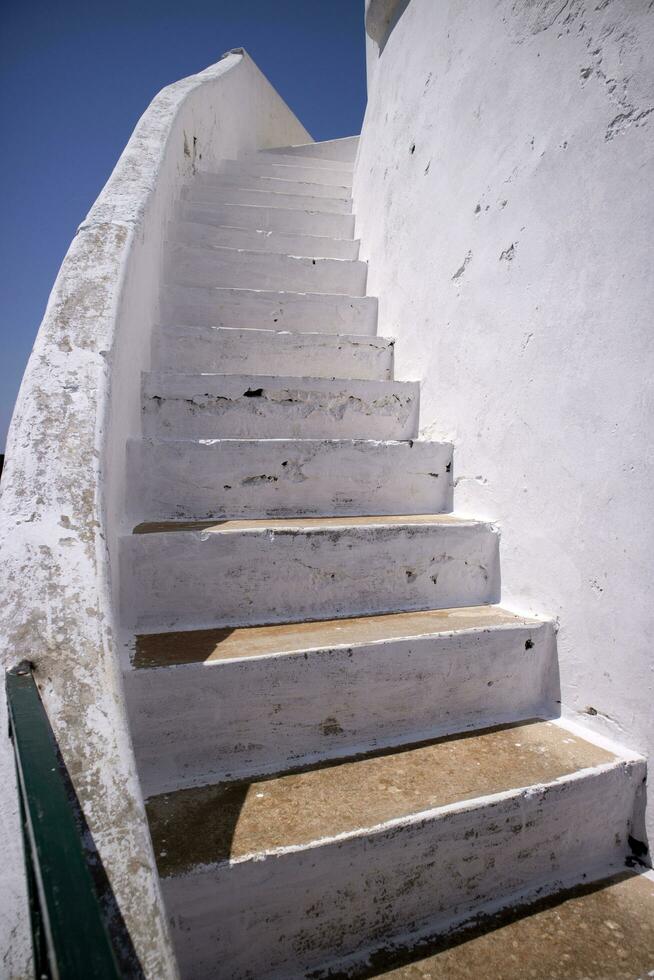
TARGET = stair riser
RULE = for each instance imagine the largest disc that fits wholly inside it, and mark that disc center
(202, 306)
(228, 194)
(192, 480)
(322, 903)
(213, 185)
(246, 407)
(256, 270)
(293, 171)
(200, 724)
(273, 353)
(193, 579)
(284, 220)
(264, 241)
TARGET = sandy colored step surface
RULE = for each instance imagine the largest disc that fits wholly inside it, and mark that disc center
(603, 931)
(211, 824)
(295, 523)
(209, 646)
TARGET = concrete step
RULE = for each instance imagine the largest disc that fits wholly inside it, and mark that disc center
(599, 931)
(294, 875)
(314, 246)
(226, 193)
(237, 573)
(260, 309)
(344, 149)
(257, 478)
(295, 170)
(291, 221)
(209, 705)
(244, 178)
(232, 406)
(202, 265)
(231, 351)
(290, 156)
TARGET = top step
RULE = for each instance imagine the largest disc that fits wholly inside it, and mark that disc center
(329, 153)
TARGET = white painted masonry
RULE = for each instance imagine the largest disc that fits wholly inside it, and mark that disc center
(503, 199)
(63, 488)
(255, 620)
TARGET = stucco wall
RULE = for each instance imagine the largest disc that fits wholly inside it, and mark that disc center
(62, 498)
(503, 193)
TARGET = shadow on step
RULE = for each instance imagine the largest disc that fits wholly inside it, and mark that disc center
(598, 931)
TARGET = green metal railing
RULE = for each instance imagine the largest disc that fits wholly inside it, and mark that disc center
(69, 934)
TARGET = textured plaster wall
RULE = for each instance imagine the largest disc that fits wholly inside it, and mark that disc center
(503, 193)
(62, 496)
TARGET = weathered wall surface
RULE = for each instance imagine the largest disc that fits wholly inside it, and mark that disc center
(503, 193)
(62, 502)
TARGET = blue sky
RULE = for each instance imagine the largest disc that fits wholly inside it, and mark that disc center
(75, 77)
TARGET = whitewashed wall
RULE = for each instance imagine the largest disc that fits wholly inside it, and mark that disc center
(62, 502)
(504, 197)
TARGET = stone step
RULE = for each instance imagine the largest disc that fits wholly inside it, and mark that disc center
(260, 309)
(244, 178)
(285, 220)
(226, 193)
(295, 170)
(228, 350)
(314, 246)
(245, 572)
(201, 265)
(315, 870)
(343, 149)
(232, 406)
(290, 156)
(258, 478)
(210, 705)
(600, 931)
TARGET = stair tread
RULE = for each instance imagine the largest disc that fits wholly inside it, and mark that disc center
(272, 234)
(227, 821)
(215, 645)
(299, 523)
(257, 253)
(602, 931)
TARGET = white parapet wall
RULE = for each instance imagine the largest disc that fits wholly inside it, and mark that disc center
(503, 192)
(63, 501)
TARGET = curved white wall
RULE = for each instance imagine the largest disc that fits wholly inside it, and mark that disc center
(503, 193)
(62, 501)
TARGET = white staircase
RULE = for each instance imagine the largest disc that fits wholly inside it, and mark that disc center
(345, 743)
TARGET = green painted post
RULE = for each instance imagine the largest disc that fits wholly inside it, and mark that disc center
(69, 914)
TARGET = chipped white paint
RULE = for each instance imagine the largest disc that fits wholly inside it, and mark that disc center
(227, 350)
(263, 574)
(62, 502)
(297, 171)
(211, 187)
(403, 874)
(268, 310)
(501, 200)
(200, 194)
(209, 406)
(192, 725)
(199, 265)
(184, 479)
(196, 233)
(300, 220)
